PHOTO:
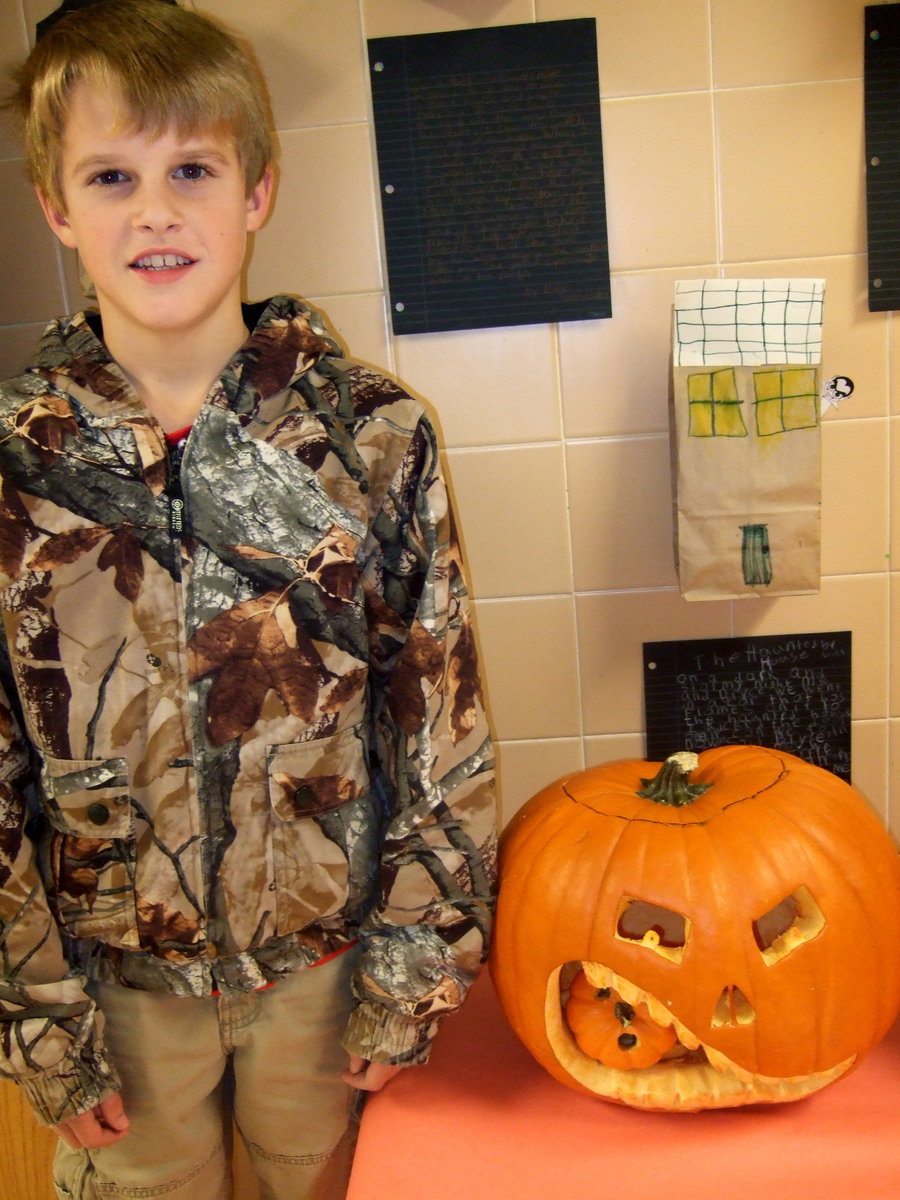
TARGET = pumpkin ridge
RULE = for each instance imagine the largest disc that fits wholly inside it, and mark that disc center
(746, 971)
(600, 916)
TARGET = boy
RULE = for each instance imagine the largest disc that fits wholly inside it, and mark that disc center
(244, 757)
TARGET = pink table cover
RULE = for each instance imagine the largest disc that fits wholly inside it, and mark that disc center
(482, 1121)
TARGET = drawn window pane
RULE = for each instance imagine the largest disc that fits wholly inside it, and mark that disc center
(767, 385)
(801, 398)
(715, 408)
(699, 389)
(724, 387)
(785, 400)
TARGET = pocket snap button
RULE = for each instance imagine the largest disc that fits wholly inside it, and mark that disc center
(98, 814)
(305, 794)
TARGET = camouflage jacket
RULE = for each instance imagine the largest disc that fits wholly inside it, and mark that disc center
(242, 722)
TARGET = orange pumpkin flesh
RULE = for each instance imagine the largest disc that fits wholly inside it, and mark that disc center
(758, 923)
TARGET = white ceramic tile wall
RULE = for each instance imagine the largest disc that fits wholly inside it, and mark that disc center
(733, 146)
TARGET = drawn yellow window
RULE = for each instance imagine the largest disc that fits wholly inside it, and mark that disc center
(786, 399)
(714, 404)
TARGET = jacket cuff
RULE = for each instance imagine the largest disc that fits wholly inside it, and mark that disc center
(69, 1089)
(381, 1036)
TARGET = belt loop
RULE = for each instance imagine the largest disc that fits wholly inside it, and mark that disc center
(236, 1011)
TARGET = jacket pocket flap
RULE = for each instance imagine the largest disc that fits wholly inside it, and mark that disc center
(87, 798)
(310, 778)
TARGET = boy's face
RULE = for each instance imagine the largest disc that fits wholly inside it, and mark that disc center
(160, 223)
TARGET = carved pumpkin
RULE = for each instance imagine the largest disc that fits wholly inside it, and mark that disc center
(737, 919)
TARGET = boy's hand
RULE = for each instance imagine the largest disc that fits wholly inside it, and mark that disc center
(368, 1076)
(100, 1126)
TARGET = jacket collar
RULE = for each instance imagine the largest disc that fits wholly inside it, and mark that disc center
(286, 339)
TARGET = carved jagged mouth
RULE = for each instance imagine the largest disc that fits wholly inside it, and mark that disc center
(688, 1077)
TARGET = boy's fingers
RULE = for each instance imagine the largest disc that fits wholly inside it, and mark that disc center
(111, 1112)
(100, 1126)
(369, 1076)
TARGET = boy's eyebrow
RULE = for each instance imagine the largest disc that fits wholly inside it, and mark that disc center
(92, 162)
(102, 159)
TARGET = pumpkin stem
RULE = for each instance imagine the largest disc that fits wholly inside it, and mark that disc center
(672, 785)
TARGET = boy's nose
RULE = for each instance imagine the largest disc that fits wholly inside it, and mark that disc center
(157, 209)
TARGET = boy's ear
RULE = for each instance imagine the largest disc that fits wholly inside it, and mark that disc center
(260, 200)
(57, 220)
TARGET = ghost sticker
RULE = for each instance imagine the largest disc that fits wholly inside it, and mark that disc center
(836, 390)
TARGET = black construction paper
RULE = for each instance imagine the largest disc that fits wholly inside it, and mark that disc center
(788, 692)
(491, 176)
(882, 108)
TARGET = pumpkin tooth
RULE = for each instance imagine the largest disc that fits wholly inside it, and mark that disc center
(723, 1064)
(632, 994)
(600, 976)
(660, 1012)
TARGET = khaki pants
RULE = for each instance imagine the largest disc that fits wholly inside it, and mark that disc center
(272, 1059)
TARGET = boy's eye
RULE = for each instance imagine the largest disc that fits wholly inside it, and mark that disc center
(191, 171)
(108, 178)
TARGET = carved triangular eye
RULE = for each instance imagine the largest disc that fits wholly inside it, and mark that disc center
(653, 926)
(791, 923)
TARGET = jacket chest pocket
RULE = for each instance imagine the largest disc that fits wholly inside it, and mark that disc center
(323, 828)
(90, 854)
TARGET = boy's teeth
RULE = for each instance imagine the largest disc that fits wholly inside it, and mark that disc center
(158, 262)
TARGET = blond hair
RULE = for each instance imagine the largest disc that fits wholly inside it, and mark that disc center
(171, 67)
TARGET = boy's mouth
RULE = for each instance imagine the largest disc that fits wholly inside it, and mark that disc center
(161, 262)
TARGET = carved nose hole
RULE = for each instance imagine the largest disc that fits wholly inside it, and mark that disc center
(733, 1008)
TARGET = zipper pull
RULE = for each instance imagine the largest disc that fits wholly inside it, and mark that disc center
(174, 494)
(176, 516)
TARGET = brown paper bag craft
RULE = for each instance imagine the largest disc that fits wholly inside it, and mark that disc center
(746, 420)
